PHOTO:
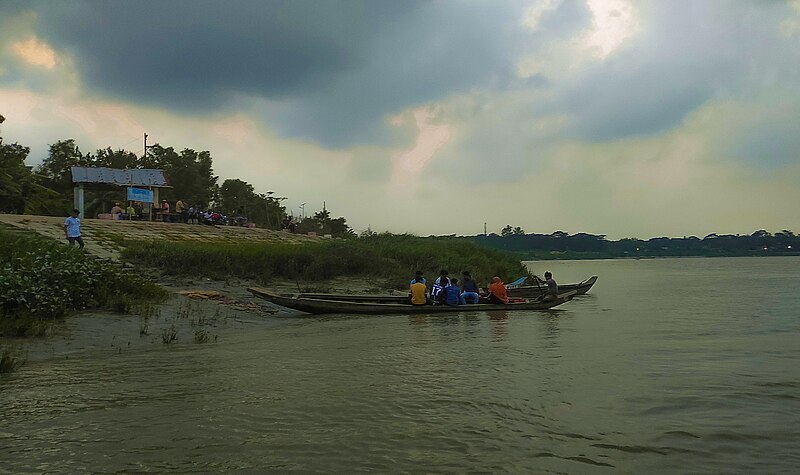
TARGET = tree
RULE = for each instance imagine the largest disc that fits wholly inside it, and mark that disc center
(56, 169)
(506, 231)
(190, 174)
(518, 231)
(237, 197)
(321, 223)
(21, 190)
(107, 157)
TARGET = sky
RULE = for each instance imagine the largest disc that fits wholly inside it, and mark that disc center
(615, 117)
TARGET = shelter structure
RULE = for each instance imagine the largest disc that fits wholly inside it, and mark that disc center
(142, 183)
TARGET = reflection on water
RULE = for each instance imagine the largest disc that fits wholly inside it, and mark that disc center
(499, 321)
(669, 366)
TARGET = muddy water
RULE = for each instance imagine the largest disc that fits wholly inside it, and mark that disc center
(673, 365)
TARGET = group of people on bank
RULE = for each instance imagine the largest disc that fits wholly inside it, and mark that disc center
(183, 213)
(448, 290)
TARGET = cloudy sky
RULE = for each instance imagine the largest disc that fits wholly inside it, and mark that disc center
(616, 117)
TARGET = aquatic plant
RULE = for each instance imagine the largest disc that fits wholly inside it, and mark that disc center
(9, 360)
(42, 280)
(201, 336)
(168, 335)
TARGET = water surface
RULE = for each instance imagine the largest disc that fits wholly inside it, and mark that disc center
(668, 365)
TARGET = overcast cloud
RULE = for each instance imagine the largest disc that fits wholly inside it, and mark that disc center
(610, 116)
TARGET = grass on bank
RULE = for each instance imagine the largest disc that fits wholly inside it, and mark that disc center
(42, 280)
(390, 260)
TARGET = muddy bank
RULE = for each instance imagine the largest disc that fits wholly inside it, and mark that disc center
(199, 311)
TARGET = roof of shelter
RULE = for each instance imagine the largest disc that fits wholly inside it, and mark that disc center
(117, 176)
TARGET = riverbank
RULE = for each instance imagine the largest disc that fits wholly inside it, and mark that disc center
(128, 269)
(105, 238)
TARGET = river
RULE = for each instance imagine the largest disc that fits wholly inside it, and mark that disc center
(667, 365)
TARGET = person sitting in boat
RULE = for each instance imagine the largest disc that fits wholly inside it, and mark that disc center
(437, 291)
(419, 276)
(470, 289)
(452, 293)
(552, 287)
(497, 291)
(419, 292)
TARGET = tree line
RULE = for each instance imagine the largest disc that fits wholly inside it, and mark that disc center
(560, 245)
(47, 189)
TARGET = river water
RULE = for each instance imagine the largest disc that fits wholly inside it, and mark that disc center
(667, 365)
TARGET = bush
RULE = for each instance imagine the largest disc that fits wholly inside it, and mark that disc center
(42, 280)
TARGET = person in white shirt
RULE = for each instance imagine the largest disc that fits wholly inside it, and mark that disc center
(72, 229)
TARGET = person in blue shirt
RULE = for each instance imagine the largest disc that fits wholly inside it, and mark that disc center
(452, 293)
(72, 229)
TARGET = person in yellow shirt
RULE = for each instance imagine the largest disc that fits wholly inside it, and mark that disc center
(419, 292)
(182, 209)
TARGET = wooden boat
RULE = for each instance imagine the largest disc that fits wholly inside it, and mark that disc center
(536, 291)
(356, 298)
(323, 306)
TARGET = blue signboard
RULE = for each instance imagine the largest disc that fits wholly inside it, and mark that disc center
(140, 194)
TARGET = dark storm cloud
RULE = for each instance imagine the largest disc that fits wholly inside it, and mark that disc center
(687, 54)
(328, 70)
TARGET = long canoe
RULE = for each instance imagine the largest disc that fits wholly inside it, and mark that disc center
(376, 298)
(535, 291)
(528, 291)
(323, 306)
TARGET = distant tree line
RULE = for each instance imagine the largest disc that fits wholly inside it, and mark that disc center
(47, 189)
(562, 245)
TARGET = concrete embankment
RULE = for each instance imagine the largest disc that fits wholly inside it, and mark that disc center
(104, 237)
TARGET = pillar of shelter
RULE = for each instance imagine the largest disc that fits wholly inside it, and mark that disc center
(77, 198)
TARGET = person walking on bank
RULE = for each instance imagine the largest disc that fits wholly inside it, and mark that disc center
(72, 229)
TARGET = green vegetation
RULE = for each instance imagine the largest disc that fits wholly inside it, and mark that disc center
(390, 260)
(561, 245)
(20, 190)
(42, 280)
(9, 360)
(46, 189)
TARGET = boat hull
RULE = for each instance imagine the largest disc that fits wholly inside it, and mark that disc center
(325, 306)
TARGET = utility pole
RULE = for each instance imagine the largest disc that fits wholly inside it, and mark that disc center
(484, 230)
(144, 154)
